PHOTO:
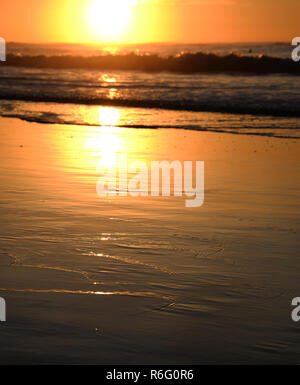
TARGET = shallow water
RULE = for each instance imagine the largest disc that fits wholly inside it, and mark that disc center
(162, 283)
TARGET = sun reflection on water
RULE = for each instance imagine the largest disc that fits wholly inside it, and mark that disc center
(108, 79)
(109, 116)
(108, 142)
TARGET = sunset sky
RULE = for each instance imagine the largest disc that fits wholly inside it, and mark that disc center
(144, 21)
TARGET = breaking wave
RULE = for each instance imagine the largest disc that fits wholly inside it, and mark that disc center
(183, 63)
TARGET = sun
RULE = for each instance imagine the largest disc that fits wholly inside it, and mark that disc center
(110, 18)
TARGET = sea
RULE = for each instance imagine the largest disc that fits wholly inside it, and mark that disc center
(250, 89)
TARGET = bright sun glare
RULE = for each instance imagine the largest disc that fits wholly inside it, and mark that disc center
(109, 116)
(109, 18)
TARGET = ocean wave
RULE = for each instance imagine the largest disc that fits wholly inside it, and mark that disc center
(187, 63)
(51, 118)
(220, 106)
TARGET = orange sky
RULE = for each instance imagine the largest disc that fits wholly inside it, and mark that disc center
(190, 21)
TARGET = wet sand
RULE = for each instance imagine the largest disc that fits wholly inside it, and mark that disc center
(123, 280)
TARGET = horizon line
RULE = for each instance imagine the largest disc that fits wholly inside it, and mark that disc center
(150, 43)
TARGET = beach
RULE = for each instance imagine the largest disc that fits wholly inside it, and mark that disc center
(146, 280)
